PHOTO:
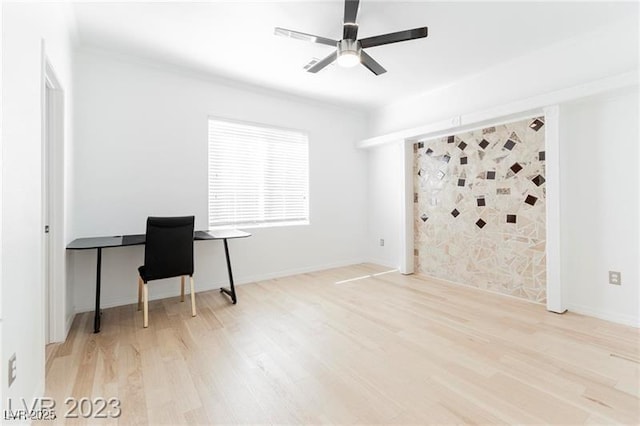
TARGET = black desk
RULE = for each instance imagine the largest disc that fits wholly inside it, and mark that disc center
(134, 240)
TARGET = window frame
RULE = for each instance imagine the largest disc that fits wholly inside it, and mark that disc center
(257, 224)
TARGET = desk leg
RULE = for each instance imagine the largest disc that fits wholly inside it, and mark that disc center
(96, 317)
(232, 291)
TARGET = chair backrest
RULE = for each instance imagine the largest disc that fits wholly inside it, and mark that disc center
(168, 248)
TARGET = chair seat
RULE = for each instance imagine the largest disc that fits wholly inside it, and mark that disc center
(141, 271)
(146, 278)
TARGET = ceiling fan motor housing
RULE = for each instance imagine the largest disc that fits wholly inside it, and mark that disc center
(348, 52)
(349, 47)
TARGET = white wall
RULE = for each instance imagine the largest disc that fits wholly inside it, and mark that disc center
(599, 205)
(599, 195)
(25, 28)
(1, 196)
(606, 52)
(385, 204)
(141, 150)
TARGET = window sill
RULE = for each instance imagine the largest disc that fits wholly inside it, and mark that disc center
(262, 225)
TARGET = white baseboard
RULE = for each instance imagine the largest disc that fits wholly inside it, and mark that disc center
(133, 298)
(68, 325)
(605, 315)
(579, 309)
(297, 271)
(381, 262)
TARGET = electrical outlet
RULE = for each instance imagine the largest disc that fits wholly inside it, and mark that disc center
(381, 242)
(615, 278)
(12, 369)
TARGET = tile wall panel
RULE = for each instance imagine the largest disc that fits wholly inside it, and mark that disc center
(479, 208)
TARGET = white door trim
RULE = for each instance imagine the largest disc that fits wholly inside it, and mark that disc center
(406, 213)
(54, 136)
(555, 301)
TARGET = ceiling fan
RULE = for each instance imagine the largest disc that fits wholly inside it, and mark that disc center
(349, 51)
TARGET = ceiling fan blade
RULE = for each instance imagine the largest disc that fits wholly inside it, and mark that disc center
(323, 63)
(371, 64)
(394, 37)
(350, 11)
(305, 37)
(350, 27)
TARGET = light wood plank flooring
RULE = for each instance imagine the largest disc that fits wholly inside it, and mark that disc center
(385, 348)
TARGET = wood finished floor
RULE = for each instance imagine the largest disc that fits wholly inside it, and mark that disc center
(385, 348)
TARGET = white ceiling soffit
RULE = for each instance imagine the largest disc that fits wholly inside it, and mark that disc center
(235, 40)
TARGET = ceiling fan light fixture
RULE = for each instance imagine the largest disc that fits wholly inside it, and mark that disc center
(348, 59)
(348, 53)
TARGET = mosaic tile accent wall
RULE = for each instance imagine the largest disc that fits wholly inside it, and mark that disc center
(479, 209)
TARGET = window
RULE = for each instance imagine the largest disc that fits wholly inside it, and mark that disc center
(258, 175)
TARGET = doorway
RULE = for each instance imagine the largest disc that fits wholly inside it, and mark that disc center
(52, 146)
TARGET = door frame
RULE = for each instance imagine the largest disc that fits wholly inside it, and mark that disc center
(52, 161)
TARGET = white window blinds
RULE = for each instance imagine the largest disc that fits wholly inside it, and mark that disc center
(258, 176)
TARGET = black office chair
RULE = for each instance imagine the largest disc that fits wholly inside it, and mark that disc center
(168, 252)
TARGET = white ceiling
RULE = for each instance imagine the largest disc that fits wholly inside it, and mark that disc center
(235, 40)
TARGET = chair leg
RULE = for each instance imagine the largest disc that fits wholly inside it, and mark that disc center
(193, 299)
(145, 312)
(139, 293)
(182, 288)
